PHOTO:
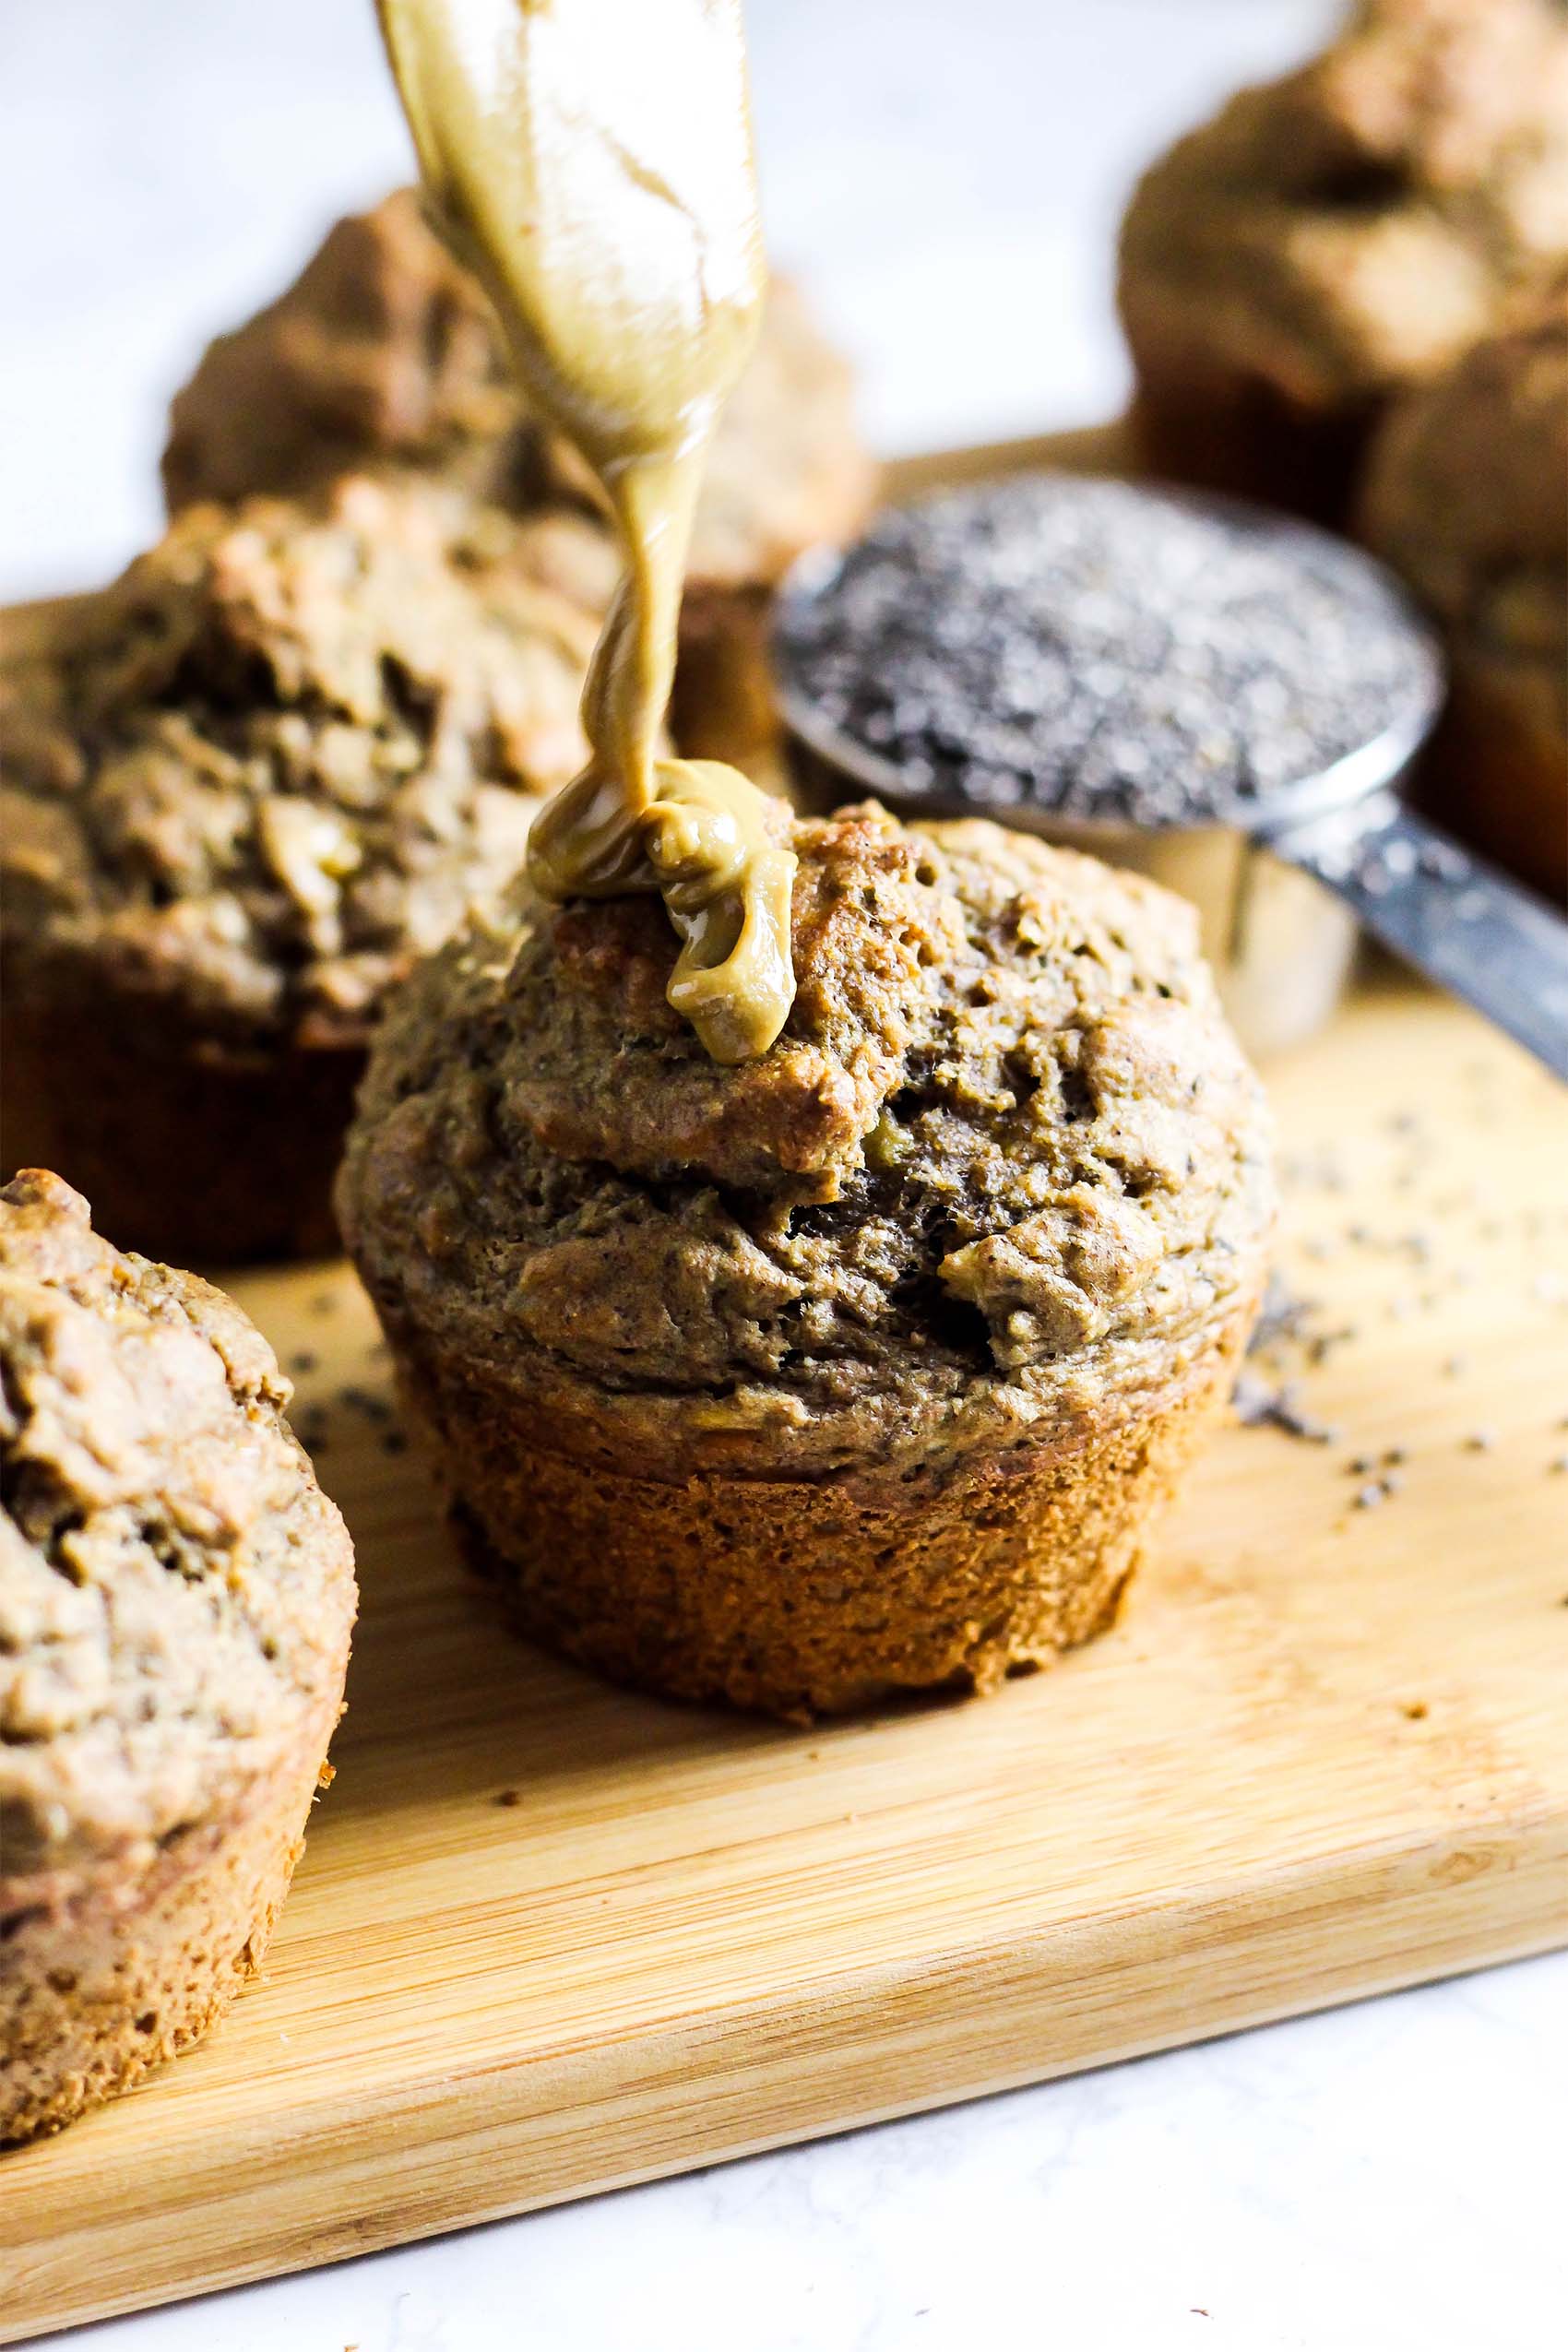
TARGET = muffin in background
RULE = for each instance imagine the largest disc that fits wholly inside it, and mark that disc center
(239, 791)
(385, 352)
(1331, 239)
(177, 1595)
(858, 1369)
(1466, 495)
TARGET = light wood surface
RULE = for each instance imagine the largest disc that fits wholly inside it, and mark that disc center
(548, 1938)
(1324, 1753)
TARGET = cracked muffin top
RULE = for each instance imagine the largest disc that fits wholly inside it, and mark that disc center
(274, 761)
(1348, 228)
(1467, 495)
(175, 1590)
(1002, 1173)
(385, 352)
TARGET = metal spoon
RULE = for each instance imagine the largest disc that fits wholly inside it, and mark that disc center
(1280, 945)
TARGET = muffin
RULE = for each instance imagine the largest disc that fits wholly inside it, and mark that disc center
(385, 352)
(1335, 238)
(1466, 495)
(856, 1368)
(241, 791)
(175, 1599)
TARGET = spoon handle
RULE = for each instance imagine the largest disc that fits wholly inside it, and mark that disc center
(1452, 915)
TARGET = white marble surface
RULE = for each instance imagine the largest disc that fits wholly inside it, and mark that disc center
(947, 172)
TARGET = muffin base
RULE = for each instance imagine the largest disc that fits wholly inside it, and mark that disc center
(800, 1599)
(721, 706)
(1497, 775)
(192, 1158)
(1242, 436)
(136, 1966)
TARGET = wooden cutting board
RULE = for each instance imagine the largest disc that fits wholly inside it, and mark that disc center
(548, 1938)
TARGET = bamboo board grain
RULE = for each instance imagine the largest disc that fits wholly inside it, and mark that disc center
(550, 1938)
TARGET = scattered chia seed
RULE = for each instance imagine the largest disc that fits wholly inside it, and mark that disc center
(1558, 1467)
(1369, 1497)
(1104, 650)
(304, 1361)
(1287, 1324)
(1258, 1406)
(1480, 1440)
(366, 1402)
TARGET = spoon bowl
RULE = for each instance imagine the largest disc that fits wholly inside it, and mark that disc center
(1282, 880)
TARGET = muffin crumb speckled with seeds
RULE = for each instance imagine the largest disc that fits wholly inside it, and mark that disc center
(1467, 495)
(243, 787)
(177, 1595)
(1336, 237)
(385, 355)
(856, 1369)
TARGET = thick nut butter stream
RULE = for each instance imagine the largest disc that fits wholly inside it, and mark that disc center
(590, 161)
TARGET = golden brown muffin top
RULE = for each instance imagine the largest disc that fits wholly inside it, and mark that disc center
(175, 1590)
(385, 352)
(1467, 491)
(1350, 227)
(1005, 1162)
(274, 761)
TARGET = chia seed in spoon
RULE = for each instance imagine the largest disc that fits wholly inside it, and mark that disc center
(1104, 650)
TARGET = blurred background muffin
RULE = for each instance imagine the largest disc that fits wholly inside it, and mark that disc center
(175, 1599)
(1332, 238)
(859, 1367)
(1466, 495)
(385, 352)
(243, 787)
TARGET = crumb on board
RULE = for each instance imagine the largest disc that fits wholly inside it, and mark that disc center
(1259, 1406)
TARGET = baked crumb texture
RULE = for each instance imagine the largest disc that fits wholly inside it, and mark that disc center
(243, 789)
(856, 1369)
(175, 1601)
(1467, 496)
(1335, 236)
(385, 355)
